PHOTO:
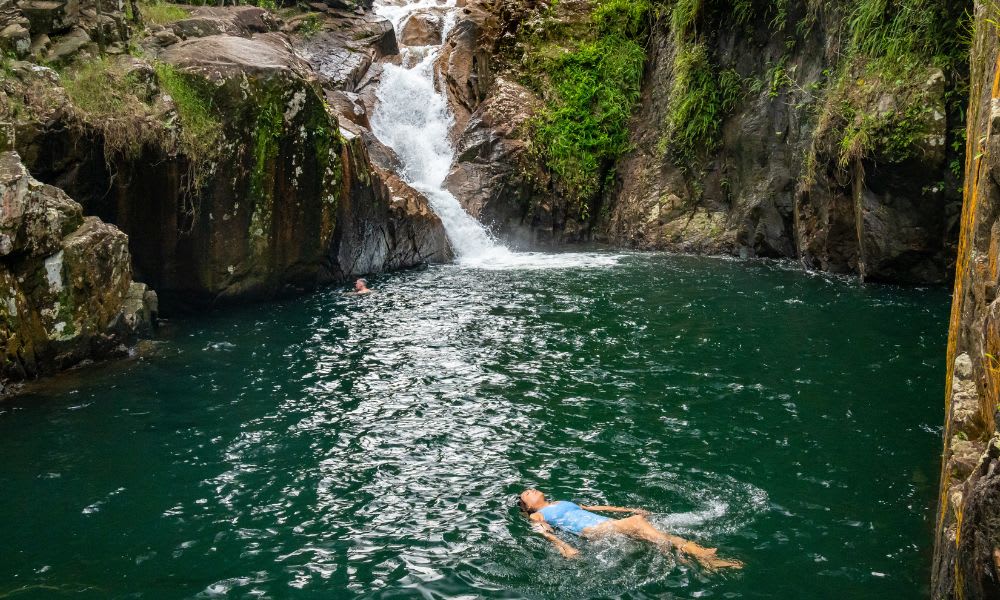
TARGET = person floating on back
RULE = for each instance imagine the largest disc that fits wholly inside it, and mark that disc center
(581, 521)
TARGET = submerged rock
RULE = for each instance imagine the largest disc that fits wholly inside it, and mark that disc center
(66, 289)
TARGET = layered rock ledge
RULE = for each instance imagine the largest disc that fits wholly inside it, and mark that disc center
(66, 288)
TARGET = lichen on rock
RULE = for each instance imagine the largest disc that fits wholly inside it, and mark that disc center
(65, 281)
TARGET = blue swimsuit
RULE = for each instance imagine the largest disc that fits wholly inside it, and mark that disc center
(569, 516)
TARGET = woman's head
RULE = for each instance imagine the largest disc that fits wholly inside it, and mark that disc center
(531, 501)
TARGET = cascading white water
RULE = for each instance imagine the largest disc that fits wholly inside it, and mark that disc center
(413, 119)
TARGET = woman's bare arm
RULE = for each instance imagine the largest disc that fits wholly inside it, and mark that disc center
(546, 532)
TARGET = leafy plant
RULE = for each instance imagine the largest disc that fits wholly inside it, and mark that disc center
(201, 128)
(591, 91)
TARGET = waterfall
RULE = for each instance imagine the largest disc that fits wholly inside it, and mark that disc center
(413, 119)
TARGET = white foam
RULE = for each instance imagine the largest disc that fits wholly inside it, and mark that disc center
(413, 119)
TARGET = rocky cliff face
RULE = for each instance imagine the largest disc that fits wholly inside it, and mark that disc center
(792, 129)
(216, 164)
(786, 178)
(66, 288)
(967, 545)
(223, 160)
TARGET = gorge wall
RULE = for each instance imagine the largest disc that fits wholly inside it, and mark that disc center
(828, 132)
(967, 543)
(224, 148)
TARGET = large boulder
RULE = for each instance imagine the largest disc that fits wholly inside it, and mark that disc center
(243, 21)
(346, 47)
(383, 223)
(66, 289)
(492, 162)
(464, 62)
(265, 218)
(268, 211)
(423, 28)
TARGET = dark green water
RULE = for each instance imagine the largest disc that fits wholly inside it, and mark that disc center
(333, 447)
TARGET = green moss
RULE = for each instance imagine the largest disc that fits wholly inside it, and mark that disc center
(268, 130)
(201, 128)
(590, 91)
(161, 13)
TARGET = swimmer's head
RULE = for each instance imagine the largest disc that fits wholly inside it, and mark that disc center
(531, 501)
(361, 284)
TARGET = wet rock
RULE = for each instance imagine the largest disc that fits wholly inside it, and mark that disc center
(66, 289)
(383, 223)
(50, 16)
(424, 28)
(241, 21)
(349, 108)
(464, 63)
(491, 164)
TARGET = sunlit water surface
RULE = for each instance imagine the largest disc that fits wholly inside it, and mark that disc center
(338, 446)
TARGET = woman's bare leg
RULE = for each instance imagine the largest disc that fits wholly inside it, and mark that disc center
(638, 527)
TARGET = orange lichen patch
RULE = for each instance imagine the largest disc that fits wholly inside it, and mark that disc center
(994, 251)
(991, 385)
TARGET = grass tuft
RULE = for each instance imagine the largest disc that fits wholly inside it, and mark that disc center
(162, 13)
(201, 128)
(110, 99)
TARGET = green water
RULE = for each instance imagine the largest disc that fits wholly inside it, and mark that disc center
(333, 447)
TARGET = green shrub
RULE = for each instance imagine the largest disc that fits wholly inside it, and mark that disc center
(892, 44)
(590, 92)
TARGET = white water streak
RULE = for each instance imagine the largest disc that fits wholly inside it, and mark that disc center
(412, 118)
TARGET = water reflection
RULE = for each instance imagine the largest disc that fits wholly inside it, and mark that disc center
(371, 446)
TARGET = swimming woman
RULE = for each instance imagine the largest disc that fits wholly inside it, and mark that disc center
(584, 523)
